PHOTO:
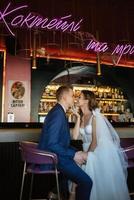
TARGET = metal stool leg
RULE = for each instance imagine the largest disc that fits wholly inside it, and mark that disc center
(57, 183)
(23, 179)
(31, 186)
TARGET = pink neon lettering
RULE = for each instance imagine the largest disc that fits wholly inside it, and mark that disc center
(36, 21)
(103, 47)
(65, 26)
(97, 46)
(91, 45)
(59, 24)
(44, 22)
(27, 19)
(39, 22)
(131, 51)
(5, 13)
(127, 48)
(118, 49)
(71, 26)
(16, 20)
(76, 27)
(64, 23)
(52, 24)
(121, 50)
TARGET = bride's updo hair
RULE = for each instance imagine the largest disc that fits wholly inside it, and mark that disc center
(90, 96)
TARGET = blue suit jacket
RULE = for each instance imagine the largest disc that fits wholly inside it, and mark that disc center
(55, 135)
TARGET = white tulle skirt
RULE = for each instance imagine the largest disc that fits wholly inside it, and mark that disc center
(106, 171)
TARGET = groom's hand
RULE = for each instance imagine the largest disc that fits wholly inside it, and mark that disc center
(80, 157)
(85, 154)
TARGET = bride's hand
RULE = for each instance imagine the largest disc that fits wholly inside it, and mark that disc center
(75, 111)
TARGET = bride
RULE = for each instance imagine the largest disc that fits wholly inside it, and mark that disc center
(106, 163)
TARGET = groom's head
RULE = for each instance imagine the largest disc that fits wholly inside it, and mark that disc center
(65, 95)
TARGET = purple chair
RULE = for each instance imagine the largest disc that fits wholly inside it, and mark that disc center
(130, 155)
(33, 158)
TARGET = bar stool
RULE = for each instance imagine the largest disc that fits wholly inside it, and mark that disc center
(33, 158)
(130, 155)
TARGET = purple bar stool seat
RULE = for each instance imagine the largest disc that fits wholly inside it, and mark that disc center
(130, 155)
(33, 158)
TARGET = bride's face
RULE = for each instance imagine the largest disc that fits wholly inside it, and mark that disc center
(82, 101)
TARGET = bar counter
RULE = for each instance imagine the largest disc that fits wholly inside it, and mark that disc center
(15, 132)
(11, 164)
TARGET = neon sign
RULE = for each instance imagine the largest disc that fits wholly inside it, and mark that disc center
(120, 50)
(97, 46)
(123, 50)
(65, 23)
(31, 20)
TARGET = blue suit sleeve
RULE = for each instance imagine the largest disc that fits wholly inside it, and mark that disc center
(53, 132)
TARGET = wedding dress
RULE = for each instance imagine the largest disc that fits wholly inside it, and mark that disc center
(107, 164)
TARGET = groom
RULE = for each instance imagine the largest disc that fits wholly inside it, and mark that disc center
(55, 137)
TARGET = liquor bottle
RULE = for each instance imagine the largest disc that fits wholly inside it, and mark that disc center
(115, 107)
(116, 95)
(109, 94)
(104, 108)
(122, 96)
(110, 107)
(100, 94)
(105, 95)
(96, 94)
(113, 95)
(119, 107)
(122, 107)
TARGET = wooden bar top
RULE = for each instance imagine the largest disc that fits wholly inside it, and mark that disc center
(16, 132)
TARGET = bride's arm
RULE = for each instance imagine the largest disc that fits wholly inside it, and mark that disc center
(75, 130)
(94, 140)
